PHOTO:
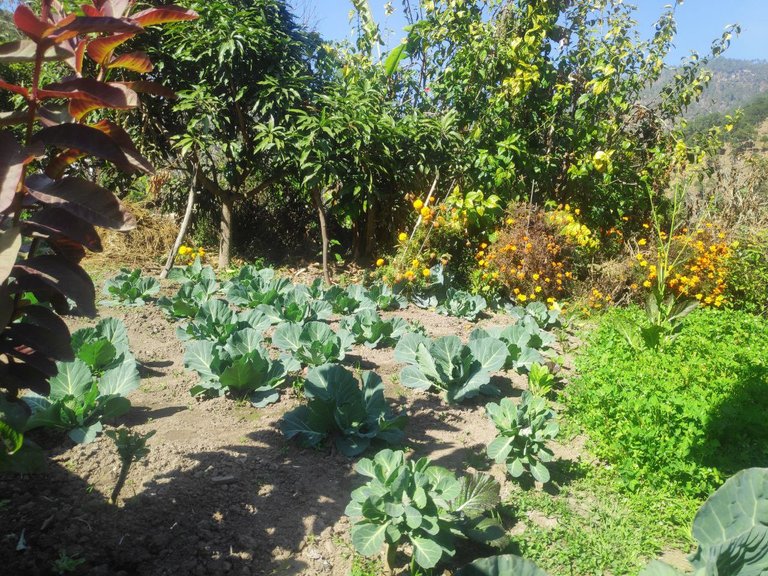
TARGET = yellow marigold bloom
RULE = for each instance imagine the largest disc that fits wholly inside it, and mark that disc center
(643, 263)
(516, 290)
(483, 245)
(409, 274)
(510, 221)
(425, 272)
(480, 254)
(425, 212)
(522, 297)
(699, 296)
(380, 262)
(634, 286)
(201, 252)
(418, 204)
(647, 283)
(537, 289)
(641, 242)
(415, 262)
(550, 300)
(402, 236)
(535, 276)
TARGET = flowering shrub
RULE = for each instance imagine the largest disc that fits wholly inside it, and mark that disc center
(188, 254)
(535, 253)
(696, 268)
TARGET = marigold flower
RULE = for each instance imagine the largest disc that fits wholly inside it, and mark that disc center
(418, 204)
(380, 262)
(402, 236)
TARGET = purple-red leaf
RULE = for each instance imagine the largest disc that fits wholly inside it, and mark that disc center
(11, 169)
(107, 95)
(100, 49)
(28, 22)
(58, 164)
(25, 50)
(54, 223)
(101, 24)
(50, 343)
(23, 376)
(82, 198)
(30, 357)
(10, 242)
(65, 277)
(123, 139)
(163, 15)
(153, 88)
(13, 118)
(89, 140)
(135, 61)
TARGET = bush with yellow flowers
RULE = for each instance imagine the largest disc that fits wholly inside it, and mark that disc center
(535, 253)
(187, 254)
(696, 266)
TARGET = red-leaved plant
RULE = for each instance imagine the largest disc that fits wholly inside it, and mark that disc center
(48, 212)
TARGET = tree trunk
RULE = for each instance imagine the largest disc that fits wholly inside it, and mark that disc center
(371, 226)
(317, 198)
(225, 239)
(182, 230)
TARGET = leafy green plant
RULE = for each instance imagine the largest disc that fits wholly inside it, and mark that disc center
(524, 431)
(216, 321)
(748, 275)
(240, 368)
(524, 341)
(385, 297)
(296, 305)
(421, 504)
(66, 564)
(350, 300)
(677, 419)
(79, 401)
(462, 304)
(545, 318)
(131, 447)
(252, 287)
(368, 328)
(354, 415)
(130, 288)
(311, 344)
(540, 380)
(731, 529)
(664, 316)
(462, 371)
(104, 346)
(501, 565)
(430, 294)
(191, 295)
(195, 272)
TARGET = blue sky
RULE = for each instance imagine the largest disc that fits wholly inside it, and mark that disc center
(699, 22)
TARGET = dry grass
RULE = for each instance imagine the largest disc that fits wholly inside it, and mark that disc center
(144, 247)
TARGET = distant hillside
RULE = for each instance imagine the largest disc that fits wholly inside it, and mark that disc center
(748, 132)
(734, 84)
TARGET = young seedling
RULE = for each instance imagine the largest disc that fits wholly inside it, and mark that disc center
(132, 447)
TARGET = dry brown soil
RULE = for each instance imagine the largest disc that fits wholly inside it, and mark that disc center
(221, 491)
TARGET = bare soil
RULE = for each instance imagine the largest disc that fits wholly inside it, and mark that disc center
(221, 492)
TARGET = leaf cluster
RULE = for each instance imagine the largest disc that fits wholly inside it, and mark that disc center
(368, 328)
(462, 304)
(130, 288)
(310, 344)
(421, 504)
(352, 414)
(524, 430)
(462, 371)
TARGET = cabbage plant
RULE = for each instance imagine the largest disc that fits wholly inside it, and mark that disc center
(195, 272)
(350, 300)
(524, 431)
(240, 368)
(525, 342)
(310, 344)
(545, 318)
(352, 414)
(187, 301)
(368, 328)
(296, 305)
(462, 304)
(385, 298)
(462, 371)
(80, 401)
(252, 287)
(416, 502)
(104, 346)
(130, 288)
(216, 321)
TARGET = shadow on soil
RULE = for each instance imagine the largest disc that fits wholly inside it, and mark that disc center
(243, 510)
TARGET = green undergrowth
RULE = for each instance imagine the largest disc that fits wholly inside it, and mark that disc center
(681, 420)
(591, 526)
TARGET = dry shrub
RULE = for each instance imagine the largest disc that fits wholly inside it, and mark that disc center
(146, 246)
(531, 259)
